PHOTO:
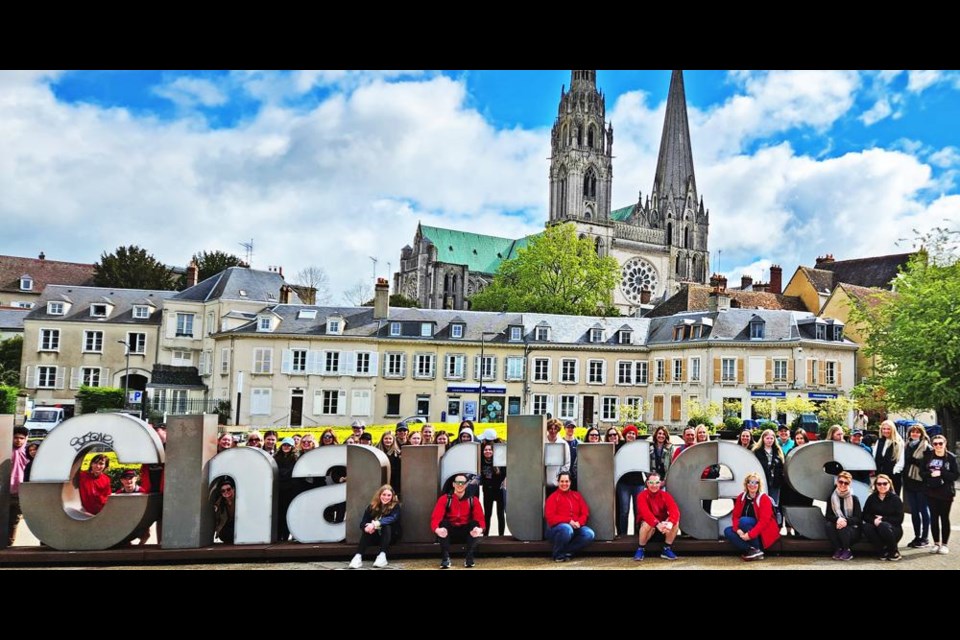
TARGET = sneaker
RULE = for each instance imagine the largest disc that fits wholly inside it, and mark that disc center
(560, 558)
(668, 554)
(846, 555)
(935, 548)
(468, 562)
(381, 560)
(914, 544)
(445, 563)
(921, 543)
(753, 554)
(357, 562)
(638, 556)
(893, 557)
(837, 554)
(943, 550)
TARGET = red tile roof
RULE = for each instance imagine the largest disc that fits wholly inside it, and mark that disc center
(43, 272)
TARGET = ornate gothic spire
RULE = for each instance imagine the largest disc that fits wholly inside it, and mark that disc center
(675, 163)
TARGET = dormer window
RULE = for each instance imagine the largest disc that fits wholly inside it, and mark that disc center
(456, 331)
(426, 329)
(26, 283)
(394, 329)
(141, 312)
(541, 334)
(626, 337)
(678, 332)
(307, 314)
(596, 335)
(821, 332)
(263, 323)
(98, 310)
(757, 328)
(55, 308)
(838, 332)
(335, 326)
(516, 334)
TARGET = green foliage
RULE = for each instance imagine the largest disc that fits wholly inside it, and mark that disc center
(871, 398)
(8, 399)
(210, 263)
(796, 405)
(703, 414)
(732, 423)
(732, 408)
(834, 411)
(223, 412)
(132, 268)
(761, 407)
(555, 273)
(400, 300)
(93, 399)
(11, 351)
(631, 414)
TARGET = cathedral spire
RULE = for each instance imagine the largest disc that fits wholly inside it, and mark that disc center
(583, 80)
(675, 175)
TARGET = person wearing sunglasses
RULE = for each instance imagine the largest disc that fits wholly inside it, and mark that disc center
(883, 518)
(458, 518)
(888, 453)
(939, 473)
(254, 439)
(918, 444)
(659, 516)
(224, 511)
(554, 427)
(754, 525)
(844, 516)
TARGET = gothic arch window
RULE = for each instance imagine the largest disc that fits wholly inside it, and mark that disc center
(696, 269)
(590, 184)
(565, 135)
(562, 192)
(686, 237)
(669, 233)
(591, 136)
(579, 136)
(637, 276)
(679, 266)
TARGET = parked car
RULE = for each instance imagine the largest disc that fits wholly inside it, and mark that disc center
(411, 420)
(42, 419)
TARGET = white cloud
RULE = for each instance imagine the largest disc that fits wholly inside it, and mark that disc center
(917, 81)
(880, 110)
(945, 158)
(889, 75)
(191, 92)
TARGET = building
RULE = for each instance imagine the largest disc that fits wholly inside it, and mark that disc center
(815, 284)
(11, 321)
(22, 280)
(659, 242)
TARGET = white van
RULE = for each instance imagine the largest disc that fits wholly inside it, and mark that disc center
(42, 419)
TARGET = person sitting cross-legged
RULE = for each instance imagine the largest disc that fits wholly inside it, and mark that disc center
(567, 512)
(754, 526)
(660, 516)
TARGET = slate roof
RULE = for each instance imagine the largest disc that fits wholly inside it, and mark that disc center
(732, 325)
(696, 297)
(123, 301)
(576, 329)
(257, 286)
(877, 271)
(43, 272)
(866, 295)
(821, 279)
(11, 318)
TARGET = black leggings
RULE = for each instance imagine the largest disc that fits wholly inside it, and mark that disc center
(491, 495)
(382, 537)
(940, 518)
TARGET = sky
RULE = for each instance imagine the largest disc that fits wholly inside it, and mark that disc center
(336, 168)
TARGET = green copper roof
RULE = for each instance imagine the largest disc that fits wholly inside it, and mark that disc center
(620, 215)
(479, 252)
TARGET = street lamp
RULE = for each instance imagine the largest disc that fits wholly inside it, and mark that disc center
(126, 376)
(483, 335)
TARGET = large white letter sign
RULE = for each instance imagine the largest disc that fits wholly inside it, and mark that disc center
(686, 487)
(367, 470)
(305, 514)
(804, 471)
(51, 504)
(255, 474)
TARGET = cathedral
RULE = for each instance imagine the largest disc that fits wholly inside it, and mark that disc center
(659, 242)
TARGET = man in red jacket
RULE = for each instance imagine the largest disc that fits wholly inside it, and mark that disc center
(567, 513)
(660, 516)
(458, 518)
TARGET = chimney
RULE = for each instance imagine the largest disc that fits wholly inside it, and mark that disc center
(722, 283)
(285, 294)
(42, 256)
(381, 299)
(776, 279)
(193, 274)
(824, 260)
(746, 282)
(280, 270)
(718, 301)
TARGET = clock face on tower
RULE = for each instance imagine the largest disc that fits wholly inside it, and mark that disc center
(636, 276)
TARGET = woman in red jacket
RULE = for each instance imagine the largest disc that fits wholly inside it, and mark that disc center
(755, 525)
(567, 512)
(94, 485)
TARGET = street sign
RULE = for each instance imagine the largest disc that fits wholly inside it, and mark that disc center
(135, 397)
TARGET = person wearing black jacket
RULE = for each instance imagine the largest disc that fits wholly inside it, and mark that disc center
(844, 517)
(918, 444)
(939, 473)
(770, 456)
(491, 481)
(883, 518)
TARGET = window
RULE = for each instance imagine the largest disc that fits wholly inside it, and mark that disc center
(394, 329)
(298, 361)
(55, 308)
(677, 370)
(453, 367)
(362, 365)
(331, 362)
(728, 370)
(489, 366)
(610, 409)
(93, 341)
(184, 325)
(568, 370)
(660, 372)
(224, 361)
(596, 335)
(697, 331)
(90, 376)
(263, 323)
(624, 372)
(263, 360)
(626, 337)
(641, 368)
(360, 404)
(141, 312)
(515, 366)
(26, 283)
(211, 323)
(456, 331)
(395, 365)
(838, 332)
(260, 402)
(393, 404)
(539, 404)
(98, 310)
(568, 407)
(821, 332)
(596, 372)
(426, 329)
(329, 402)
(757, 330)
(694, 369)
(780, 371)
(541, 334)
(635, 403)
(333, 326)
(516, 334)
(181, 359)
(137, 342)
(46, 377)
(831, 372)
(678, 332)
(425, 365)
(22, 305)
(541, 369)
(206, 363)
(49, 339)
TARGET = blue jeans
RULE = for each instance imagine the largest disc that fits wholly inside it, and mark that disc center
(919, 512)
(566, 539)
(742, 545)
(626, 496)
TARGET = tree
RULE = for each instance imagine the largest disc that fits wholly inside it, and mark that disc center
(400, 300)
(210, 263)
(915, 334)
(316, 278)
(132, 268)
(703, 414)
(358, 294)
(762, 408)
(11, 350)
(555, 273)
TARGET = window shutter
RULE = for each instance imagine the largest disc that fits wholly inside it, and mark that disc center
(839, 379)
(29, 382)
(60, 373)
(171, 325)
(550, 405)
(683, 371)
(403, 365)
(286, 361)
(374, 356)
(668, 371)
(716, 371)
(822, 374)
(75, 374)
(740, 370)
(348, 361)
(809, 372)
(769, 370)
(493, 368)
(341, 402)
(603, 372)
(314, 362)
(790, 369)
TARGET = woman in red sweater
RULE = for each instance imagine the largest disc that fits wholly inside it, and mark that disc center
(94, 485)
(754, 522)
(567, 512)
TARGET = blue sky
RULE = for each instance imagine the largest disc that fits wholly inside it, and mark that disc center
(329, 168)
